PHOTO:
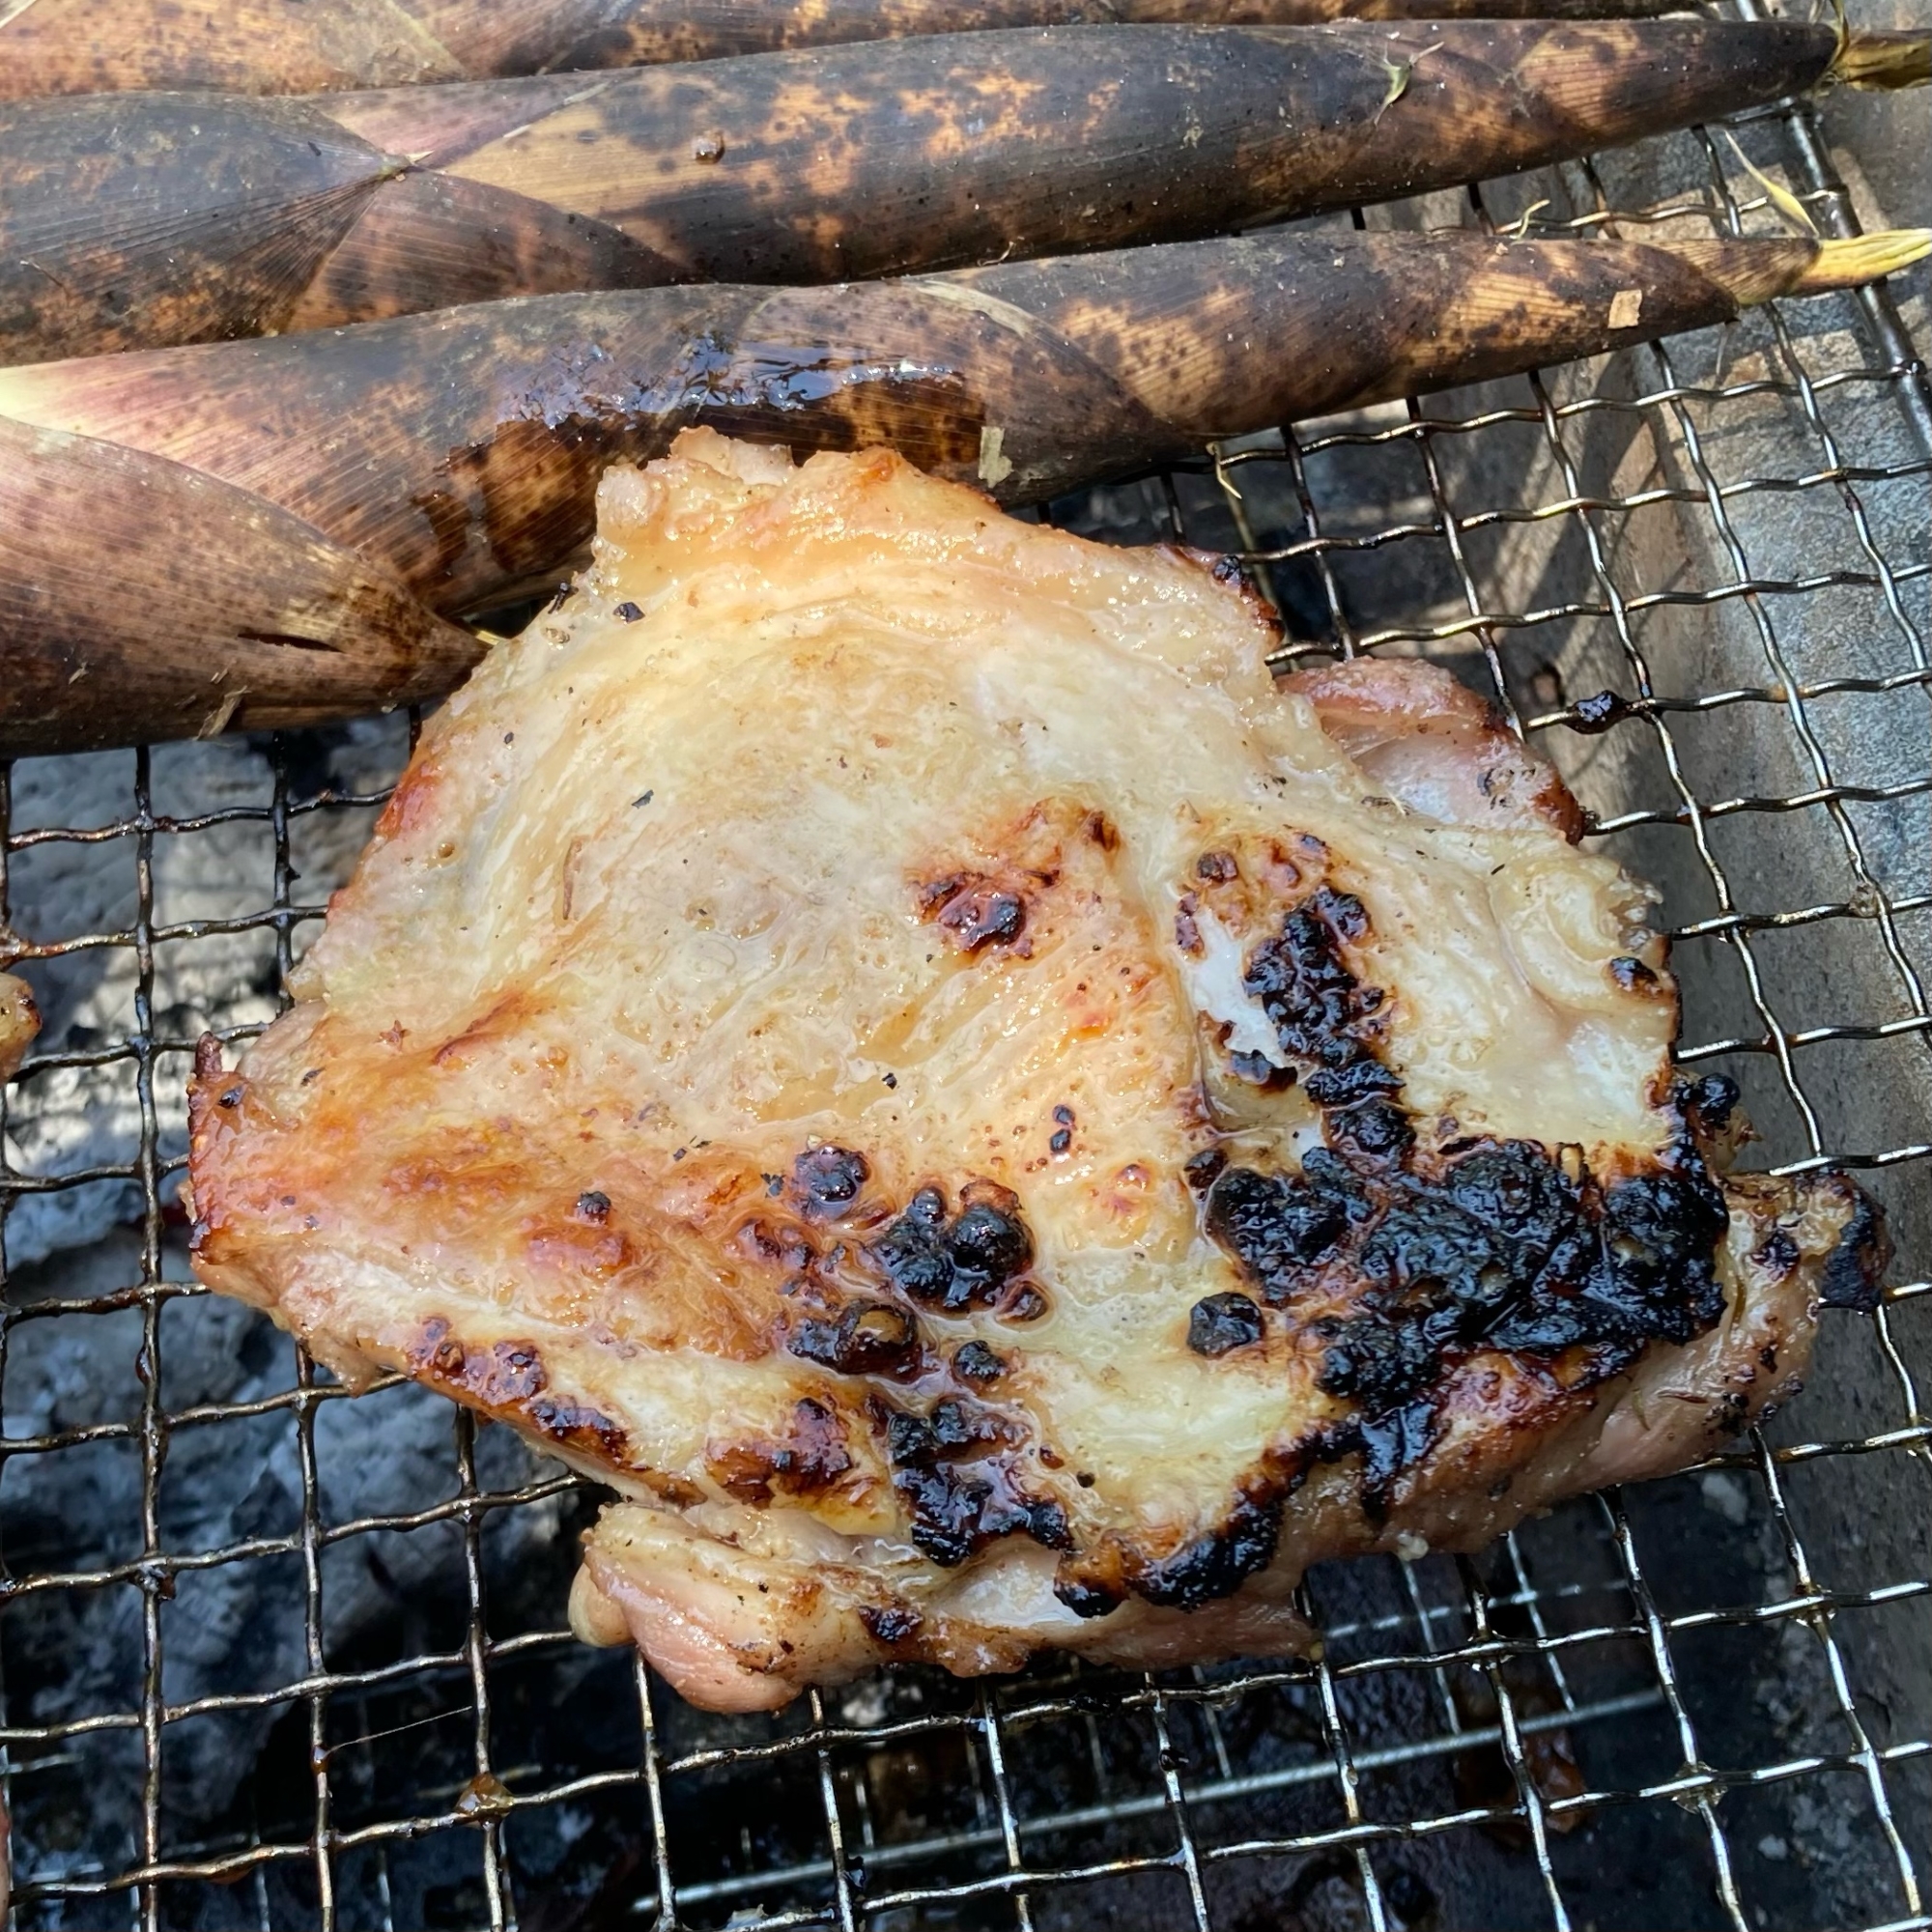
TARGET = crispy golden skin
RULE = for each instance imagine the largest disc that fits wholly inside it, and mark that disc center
(877, 1030)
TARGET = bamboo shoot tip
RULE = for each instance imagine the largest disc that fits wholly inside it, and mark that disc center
(1884, 60)
(1863, 258)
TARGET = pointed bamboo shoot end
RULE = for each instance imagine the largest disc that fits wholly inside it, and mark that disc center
(1863, 258)
(1884, 60)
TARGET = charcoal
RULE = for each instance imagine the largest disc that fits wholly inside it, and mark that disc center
(235, 1626)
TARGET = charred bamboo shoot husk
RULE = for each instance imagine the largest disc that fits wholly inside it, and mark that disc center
(1885, 61)
(268, 47)
(138, 222)
(307, 629)
(457, 454)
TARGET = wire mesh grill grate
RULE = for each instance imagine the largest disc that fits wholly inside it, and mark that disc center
(1654, 1707)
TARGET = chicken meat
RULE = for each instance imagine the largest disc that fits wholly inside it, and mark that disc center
(880, 1032)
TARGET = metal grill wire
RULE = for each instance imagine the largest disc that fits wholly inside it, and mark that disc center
(1489, 1703)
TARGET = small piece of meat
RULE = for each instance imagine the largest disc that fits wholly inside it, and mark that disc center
(1430, 742)
(19, 1023)
(1037, 1134)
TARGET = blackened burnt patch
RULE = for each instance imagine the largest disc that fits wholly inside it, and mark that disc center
(1633, 974)
(1203, 1169)
(1187, 926)
(1259, 1071)
(811, 1460)
(509, 1378)
(1276, 1225)
(578, 1426)
(912, 1252)
(1856, 1262)
(1512, 1189)
(867, 1338)
(955, 1469)
(974, 1362)
(1507, 1250)
(1087, 1596)
(955, 1261)
(889, 1626)
(1022, 1302)
(989, 1241)
(947, 1510)
(504, 1374)
(1708, 1104)
(1500, 1248)
(1219, 1324)
(1377, 1132)
(1409, 1264)
(1215, 1565)
(828, 1179)
(978, 919)
(949, 1427)
(1321, 1013)
(975, 911)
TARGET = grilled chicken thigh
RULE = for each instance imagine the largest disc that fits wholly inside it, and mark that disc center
(880, 1032)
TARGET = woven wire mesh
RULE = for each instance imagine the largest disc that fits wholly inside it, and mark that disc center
(1666, 1688)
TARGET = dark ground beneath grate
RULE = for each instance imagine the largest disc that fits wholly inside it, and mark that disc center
(581, 1864)
(562, 1712)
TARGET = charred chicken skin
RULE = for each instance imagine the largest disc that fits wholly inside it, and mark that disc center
(880, 1032)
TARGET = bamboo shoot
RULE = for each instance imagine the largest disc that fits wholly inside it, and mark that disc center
(456, 455)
